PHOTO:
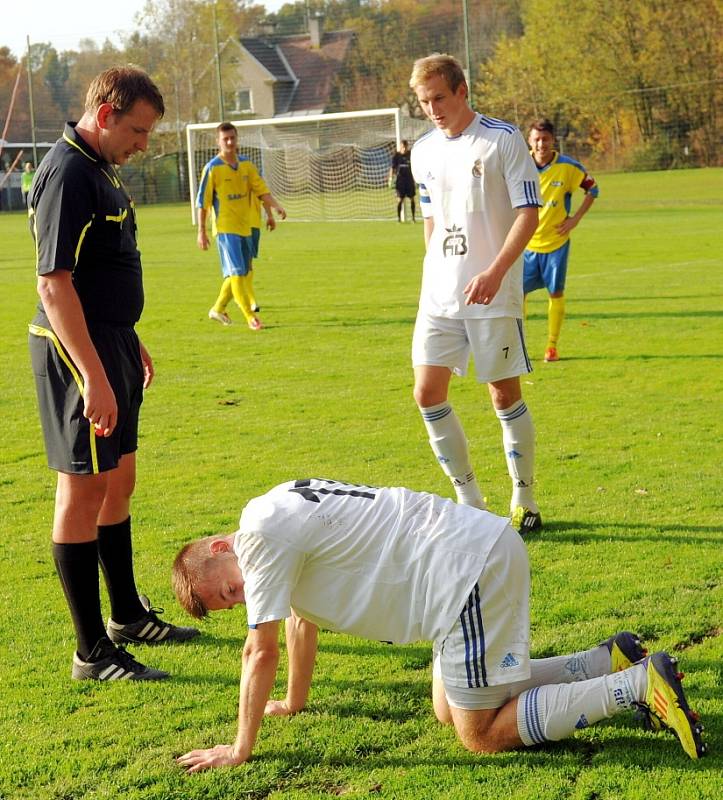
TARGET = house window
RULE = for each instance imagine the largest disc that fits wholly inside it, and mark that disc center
(238, 101)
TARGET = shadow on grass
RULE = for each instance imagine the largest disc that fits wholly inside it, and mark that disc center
(415, 657)
(645, 299)
(410, 656)
(653, 314)
(625, 750)
(642, 357)
(574, 531)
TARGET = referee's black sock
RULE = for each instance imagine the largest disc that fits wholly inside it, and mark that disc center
(115, 551)
(77, 566)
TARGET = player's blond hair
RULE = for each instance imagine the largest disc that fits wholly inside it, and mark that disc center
(122, 87)
(190, 569)
(438, 64)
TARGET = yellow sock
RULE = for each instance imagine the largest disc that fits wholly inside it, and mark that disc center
(240, 295)
(250, 286)
(555, 315)
(223, 298)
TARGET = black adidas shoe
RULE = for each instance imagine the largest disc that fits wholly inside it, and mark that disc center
(625, 649)
(107, 662)
(525, 521)
(149, 629)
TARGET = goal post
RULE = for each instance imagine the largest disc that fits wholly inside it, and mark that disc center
(321, 167)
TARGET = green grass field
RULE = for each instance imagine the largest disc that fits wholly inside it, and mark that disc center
(629, 454)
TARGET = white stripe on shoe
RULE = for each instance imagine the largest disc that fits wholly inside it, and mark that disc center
(110, 673)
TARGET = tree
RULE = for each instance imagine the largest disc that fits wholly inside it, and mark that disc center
(391, 34)
(56, 77)
(629, 73)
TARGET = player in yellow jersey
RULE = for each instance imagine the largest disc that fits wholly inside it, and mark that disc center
(228, 187)
(547, 252)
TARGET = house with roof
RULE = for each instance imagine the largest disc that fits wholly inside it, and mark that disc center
(282, 76)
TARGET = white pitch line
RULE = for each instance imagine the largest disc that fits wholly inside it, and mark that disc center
(656, 266)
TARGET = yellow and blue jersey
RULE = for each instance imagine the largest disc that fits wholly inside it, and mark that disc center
(255, 218)
(255, 213)
(558, 180)
(231, 192)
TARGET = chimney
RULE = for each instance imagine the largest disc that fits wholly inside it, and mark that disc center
(268, 28)
(316, 30)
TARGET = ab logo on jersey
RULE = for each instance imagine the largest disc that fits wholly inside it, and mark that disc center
(477, 168)
(456, 243)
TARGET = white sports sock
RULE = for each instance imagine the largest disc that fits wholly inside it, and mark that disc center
(449, 445)
(551, 713)
(565, 669)
(518, 440)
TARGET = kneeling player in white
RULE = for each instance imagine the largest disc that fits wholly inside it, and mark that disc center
(394, 565)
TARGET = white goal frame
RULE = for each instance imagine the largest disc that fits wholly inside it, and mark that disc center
(191, 129)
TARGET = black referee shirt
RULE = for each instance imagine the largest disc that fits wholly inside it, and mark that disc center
(83, 220)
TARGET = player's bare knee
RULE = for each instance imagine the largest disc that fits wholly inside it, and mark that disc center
(442, 712)
(477, 738)
(478, 730)
(505, 393)
(80, 491)
(481, 743)
(426, 395)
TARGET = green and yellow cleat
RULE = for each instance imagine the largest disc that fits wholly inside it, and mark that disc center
(625, 650)
(665, 701)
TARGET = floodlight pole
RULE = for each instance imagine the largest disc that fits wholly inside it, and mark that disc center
(32, 107)
(465, 19)
(219, 86)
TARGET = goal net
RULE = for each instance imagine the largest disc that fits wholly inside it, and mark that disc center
(325, 167)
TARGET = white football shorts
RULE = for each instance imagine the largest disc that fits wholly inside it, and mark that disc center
(497, 345)
(488, 647)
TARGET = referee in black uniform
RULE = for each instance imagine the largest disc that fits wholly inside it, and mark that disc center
(91, 369)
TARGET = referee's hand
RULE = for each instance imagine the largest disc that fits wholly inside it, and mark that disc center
(148, 370)
(100, 406)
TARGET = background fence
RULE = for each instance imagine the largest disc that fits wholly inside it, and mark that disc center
(629, 84)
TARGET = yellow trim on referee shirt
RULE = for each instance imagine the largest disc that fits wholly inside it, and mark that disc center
(114, 179)
(117, 217)
(36, 330)
(80, 239)
(34, 223)
(78, 147)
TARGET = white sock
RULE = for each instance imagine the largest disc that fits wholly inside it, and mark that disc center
(551, 713)
(449, 445)
(518, 440)
(565, 669)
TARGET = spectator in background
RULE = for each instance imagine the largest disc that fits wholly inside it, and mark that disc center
(26, 180)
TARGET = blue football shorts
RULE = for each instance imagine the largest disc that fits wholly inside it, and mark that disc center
(235, 253)
(546, 270)
(254, 242)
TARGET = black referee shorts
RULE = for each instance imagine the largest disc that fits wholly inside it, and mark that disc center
(70, 441)
(405, 186)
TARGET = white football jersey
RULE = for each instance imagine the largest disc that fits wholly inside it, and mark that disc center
(386, 564)
(470, 185)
